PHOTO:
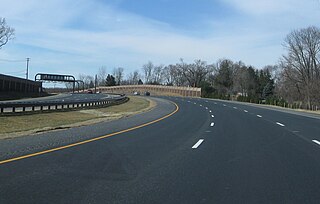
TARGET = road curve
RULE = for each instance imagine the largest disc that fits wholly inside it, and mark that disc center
(208, 152)
(60, 98)
(21, 146)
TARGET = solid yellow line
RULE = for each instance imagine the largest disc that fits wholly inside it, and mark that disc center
(90, 140)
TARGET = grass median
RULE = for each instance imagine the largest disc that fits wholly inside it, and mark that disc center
(13, 126)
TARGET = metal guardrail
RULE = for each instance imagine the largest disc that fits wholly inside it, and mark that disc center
(33, 107)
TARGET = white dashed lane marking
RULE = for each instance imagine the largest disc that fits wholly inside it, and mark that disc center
(195, 146)
(282, 125)
(316, 141)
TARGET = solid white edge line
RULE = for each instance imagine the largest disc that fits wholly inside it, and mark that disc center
(195, 146)
(212, 124)
(316, 141)
(282, 125)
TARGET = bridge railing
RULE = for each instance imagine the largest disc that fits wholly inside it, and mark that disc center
(34, 106)
(153, 89)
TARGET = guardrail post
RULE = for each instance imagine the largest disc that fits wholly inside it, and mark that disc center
(56, 106)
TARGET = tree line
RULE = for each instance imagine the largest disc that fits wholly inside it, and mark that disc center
(294, 80)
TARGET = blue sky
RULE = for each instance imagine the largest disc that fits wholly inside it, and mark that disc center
(78, 37)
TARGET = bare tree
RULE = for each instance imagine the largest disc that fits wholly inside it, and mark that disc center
(136, 76)
(301, 64)
(147, 70)
(133, 77)
(118, 75)
(6, 32)
(241, 80)
(169, 74)
(196, 72)
(288, 89)
(157, 74)
(87, 79)
(101, 76)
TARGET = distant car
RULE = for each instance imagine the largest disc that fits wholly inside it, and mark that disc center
(147, 93)
(137, 93)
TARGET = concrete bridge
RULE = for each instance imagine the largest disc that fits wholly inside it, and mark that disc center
(155, 90)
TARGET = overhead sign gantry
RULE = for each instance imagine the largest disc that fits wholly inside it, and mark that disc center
(56, 78)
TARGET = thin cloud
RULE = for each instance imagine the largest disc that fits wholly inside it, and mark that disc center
(80, 36)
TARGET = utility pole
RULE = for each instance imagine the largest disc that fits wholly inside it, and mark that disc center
(95, 84)
(27, 73)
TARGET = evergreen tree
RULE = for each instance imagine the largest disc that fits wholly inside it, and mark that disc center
(110, 81)
(140, 82)
(91, 85)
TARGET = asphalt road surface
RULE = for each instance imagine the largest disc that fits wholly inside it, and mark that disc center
(207, 152)
(73, 97)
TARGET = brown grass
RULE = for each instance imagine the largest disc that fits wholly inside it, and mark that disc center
(12, 126)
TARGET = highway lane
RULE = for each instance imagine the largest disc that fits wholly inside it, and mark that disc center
(205, 153)
(72, 97)
(41, 141)
(304, 125)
